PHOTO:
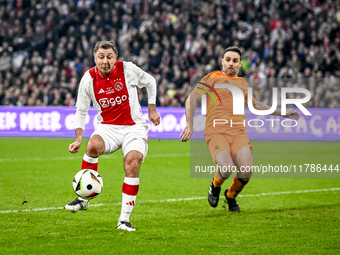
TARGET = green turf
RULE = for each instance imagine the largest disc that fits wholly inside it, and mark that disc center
(37, 173)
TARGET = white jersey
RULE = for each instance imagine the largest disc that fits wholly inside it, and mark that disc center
(115, 96)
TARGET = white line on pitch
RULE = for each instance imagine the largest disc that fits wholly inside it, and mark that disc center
(165, 155)
(182, 199)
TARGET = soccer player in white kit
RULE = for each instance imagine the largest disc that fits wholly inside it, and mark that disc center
(112, 87)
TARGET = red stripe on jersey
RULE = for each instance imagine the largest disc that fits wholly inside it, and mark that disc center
(112, 95)
(130, 190)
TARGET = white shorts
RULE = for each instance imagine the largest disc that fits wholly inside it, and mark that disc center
(128, 138)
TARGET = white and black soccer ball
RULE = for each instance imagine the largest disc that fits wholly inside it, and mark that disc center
(87, 184)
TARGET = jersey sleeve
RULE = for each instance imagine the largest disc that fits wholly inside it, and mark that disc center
(202, 87)
(246, 93)
(83, 101)
(142, 79)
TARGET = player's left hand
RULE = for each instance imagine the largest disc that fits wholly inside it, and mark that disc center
(154, 116)
(292, 114)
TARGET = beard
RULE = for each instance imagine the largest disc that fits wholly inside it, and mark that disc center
(231, 72)
(105, 71)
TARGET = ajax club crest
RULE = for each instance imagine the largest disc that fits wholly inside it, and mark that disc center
(118, 86)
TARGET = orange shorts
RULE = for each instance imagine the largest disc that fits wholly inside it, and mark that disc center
(226, 142)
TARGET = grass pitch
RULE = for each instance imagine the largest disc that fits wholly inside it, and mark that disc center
(172, 215)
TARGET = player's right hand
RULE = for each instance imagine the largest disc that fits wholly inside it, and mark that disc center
(186, 133)
(74, 147)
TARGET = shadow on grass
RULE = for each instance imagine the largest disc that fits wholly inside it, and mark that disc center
(218, 212)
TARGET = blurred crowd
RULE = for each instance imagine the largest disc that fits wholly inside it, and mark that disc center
(46, 46)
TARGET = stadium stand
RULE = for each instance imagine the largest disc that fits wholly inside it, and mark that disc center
(46, 46)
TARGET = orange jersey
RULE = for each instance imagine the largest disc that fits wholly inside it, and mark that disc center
(220, 103)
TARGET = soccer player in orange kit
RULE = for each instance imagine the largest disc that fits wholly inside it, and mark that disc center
(228, 144)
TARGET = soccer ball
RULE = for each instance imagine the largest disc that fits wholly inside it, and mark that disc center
(87, 184)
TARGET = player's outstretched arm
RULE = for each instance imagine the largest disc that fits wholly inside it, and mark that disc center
(74, 147)
(154, 116)
(290, 113)
(190, 106)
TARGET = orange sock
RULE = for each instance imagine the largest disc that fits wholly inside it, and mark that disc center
(218, 182)
(236, 187)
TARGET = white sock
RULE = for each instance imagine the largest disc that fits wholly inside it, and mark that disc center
(130, 190)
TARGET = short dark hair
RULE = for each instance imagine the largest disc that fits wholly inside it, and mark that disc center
(234, 49)
(105, 45)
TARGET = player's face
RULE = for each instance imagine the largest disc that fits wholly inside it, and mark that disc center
(105, 60)
(231, 63)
